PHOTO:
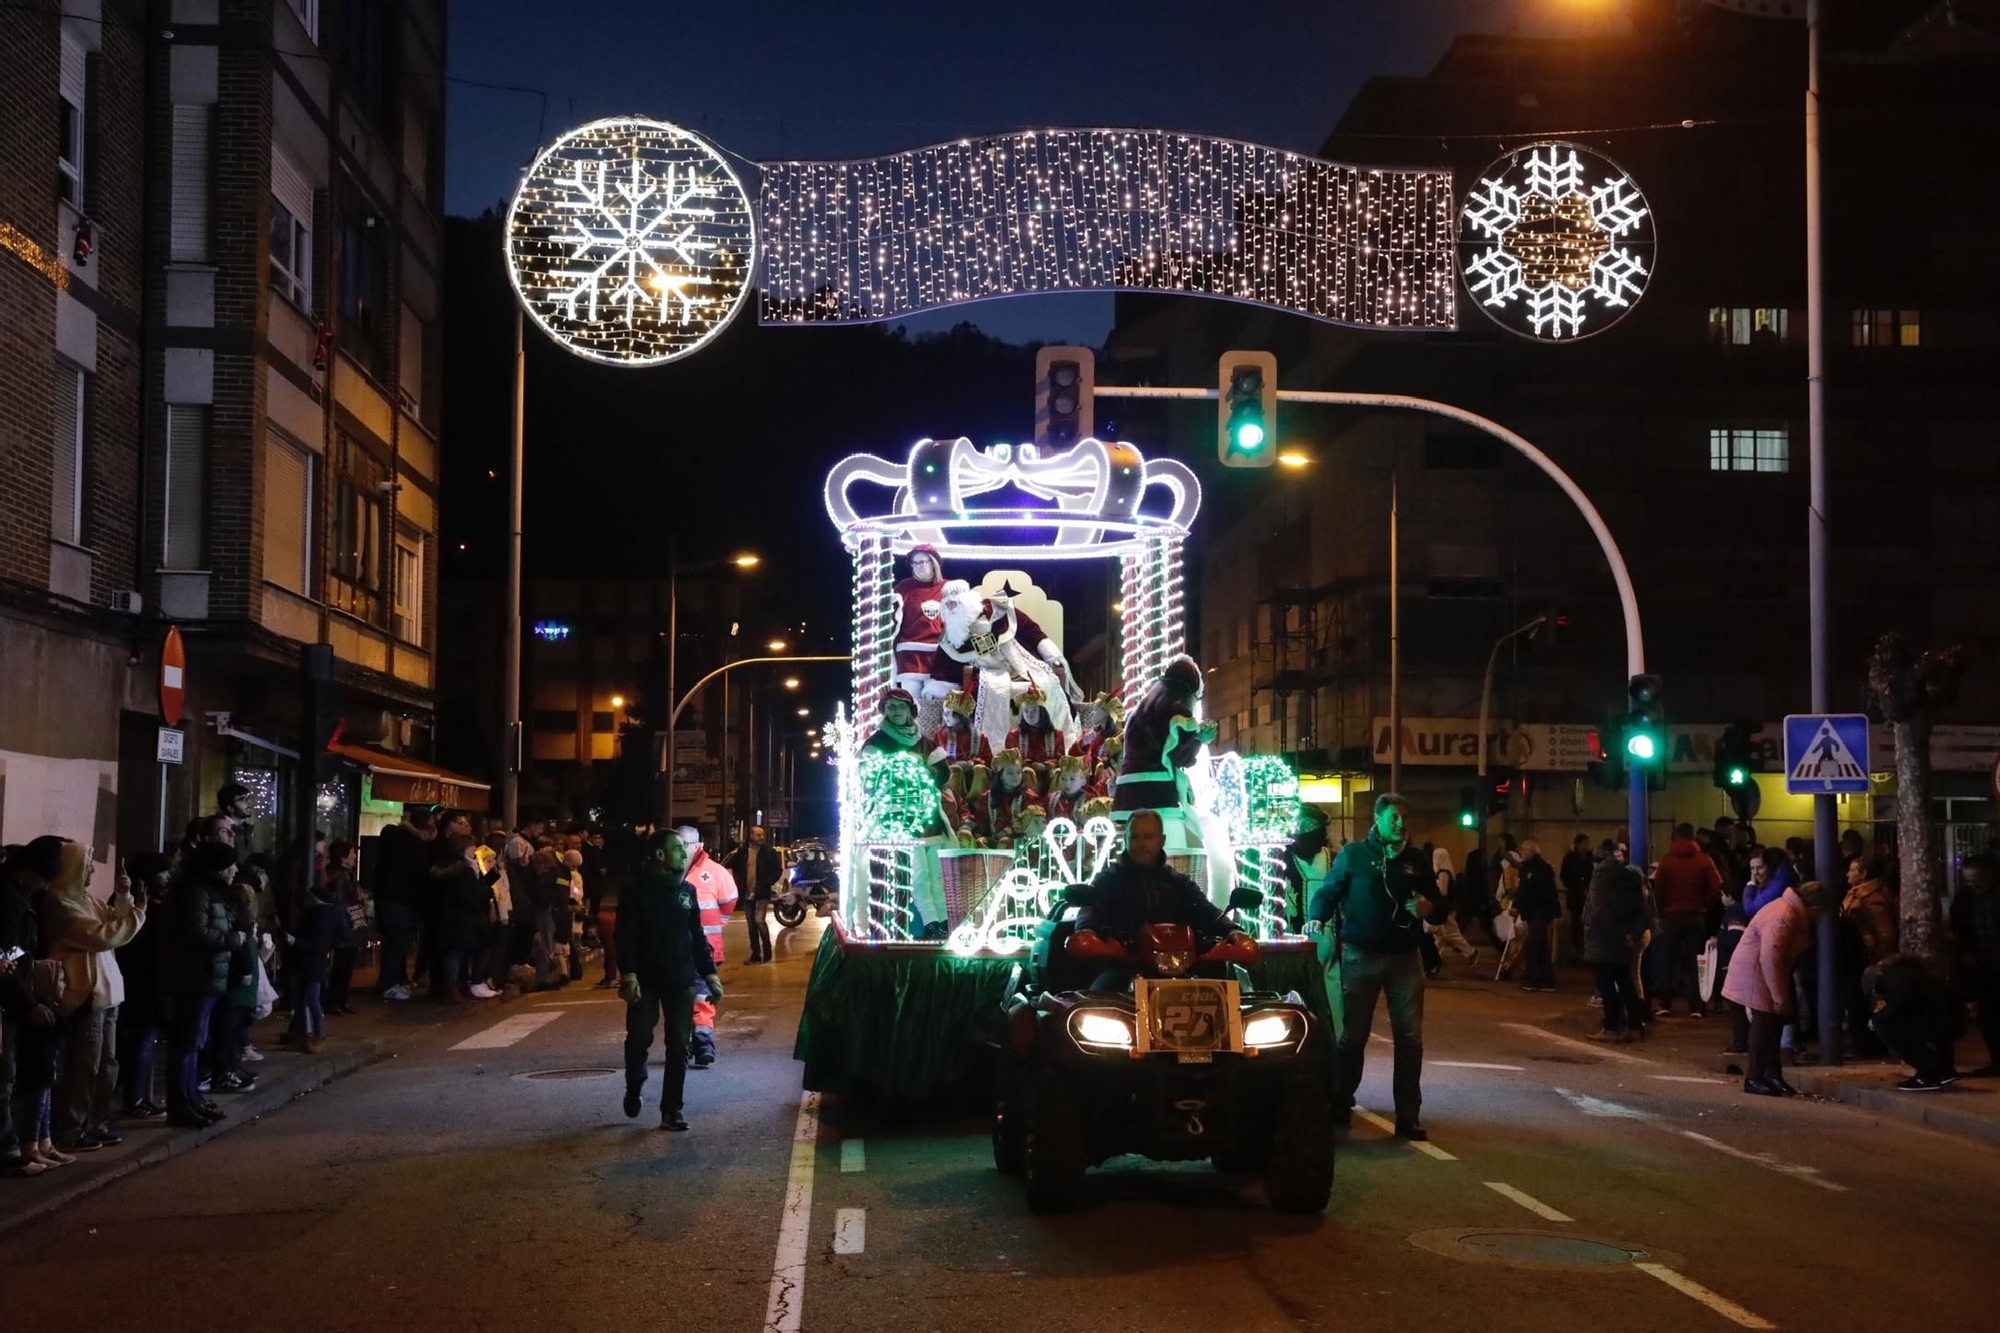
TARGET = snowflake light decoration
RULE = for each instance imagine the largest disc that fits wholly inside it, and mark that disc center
(631, 241)
(1556, 242)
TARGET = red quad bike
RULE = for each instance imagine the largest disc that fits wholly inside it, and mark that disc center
(1184, 1063)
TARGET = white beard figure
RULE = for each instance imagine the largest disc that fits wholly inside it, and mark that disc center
(989, 635)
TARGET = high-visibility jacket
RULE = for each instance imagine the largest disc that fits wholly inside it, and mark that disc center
(715, 890)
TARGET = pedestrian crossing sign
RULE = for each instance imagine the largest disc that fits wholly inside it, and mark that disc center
(1826, 753)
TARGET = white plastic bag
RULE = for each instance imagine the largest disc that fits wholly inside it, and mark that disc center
(1709, 966)
(267, 994)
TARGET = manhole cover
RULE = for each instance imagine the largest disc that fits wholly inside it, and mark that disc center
(537, 1075)
(1524, 1248)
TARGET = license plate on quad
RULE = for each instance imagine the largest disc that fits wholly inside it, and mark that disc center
(1190, 1017)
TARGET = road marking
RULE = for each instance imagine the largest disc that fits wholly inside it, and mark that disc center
(1604, 1052)
(1809, 1174)
(574, 1004)
(1427, 1149)
(850, 1231)
(1528, 1201)
(1376, 1036)
(1474, 1064)
(788, 1265)
(1597, 1106)
(506, 1032)
(1685, 1078)
(853, 1156)
(1722, 1305)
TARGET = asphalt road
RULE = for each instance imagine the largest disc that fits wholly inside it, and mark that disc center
(448, 1189)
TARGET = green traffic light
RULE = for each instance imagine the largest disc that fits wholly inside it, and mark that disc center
(1250, 436)
(1642, 745)
(1466, 819)
(1737, 777)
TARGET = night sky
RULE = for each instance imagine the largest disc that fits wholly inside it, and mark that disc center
(798, 80)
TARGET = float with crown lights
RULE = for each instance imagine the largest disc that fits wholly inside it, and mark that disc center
(967, 723)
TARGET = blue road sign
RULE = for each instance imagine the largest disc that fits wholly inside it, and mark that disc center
(1826, 753)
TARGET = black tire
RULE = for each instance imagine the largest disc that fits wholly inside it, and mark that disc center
(789, 914)
(1057, 1147)
(1298, 1173)
(1247, 1155)
(1010, 1140)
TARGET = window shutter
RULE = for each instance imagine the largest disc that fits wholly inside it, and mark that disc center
(410, 356)
(189, 209)
(292, 188)
(64, 499)
(72, 70)
(287, 516)
(187, 484)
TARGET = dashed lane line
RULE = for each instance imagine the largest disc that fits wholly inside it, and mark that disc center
(1427, 1149)
(1602, 1052)
(1473, 1064)
(1688, 1078)
(1809, 1174)
(788, 1265)
(506, 1032)
(850, 1230)
(1722, 1305)
(853, 1156)
(1528, 1201)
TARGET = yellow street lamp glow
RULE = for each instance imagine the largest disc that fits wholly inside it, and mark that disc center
(1293, 458)
(746, 560)
(805, 712)
(776, 645)
(791, 682)
(617, 701)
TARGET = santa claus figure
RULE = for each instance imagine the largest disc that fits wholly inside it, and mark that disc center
(1162, 738)
(1035, 736)
(999, 653)
(917, 632)
(1070, 789)
(956, 742)
(996, 811)
(1103, 721)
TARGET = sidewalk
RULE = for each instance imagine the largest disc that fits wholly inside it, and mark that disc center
(375, 1031)
(1970, 1107)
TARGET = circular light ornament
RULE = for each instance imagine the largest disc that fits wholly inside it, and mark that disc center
(1555, 242)
(631, 241)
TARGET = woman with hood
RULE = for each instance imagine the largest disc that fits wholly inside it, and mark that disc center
(84, 934)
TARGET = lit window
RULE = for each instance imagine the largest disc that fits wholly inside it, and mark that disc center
(1887, 328)
(1747, 326)
(409, 587)
(1749, 450)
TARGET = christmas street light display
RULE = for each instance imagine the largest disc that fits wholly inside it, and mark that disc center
(1556, 242)
(631, 241)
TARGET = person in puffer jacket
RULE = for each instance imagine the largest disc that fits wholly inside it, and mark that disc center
(715, 891)
(1760, 979)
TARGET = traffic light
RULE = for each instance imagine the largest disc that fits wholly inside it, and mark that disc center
(1734, 757)
(1065, 378)
(1468, 808)
(1246, 409)
(1496, 798)
(1645, 722)
(1607, 744)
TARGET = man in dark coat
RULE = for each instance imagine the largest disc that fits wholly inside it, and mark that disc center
(1140, 889)
(1577, 865)
(1915, 1016)
(402, 888)
(1540, 905)
(197, 938)
(1371, 909)
(1162, 737)
(662, 953)
(755, 867)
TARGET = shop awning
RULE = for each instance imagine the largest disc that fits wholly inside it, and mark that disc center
(398, 777)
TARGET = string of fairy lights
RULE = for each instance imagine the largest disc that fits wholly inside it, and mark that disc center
(1073, 210)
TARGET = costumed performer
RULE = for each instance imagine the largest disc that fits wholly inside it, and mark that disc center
(998, 653)
(918, 631)
(1162, 738)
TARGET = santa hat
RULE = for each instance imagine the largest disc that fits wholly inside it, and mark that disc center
(1182, 676)
(958, 701)
(929, 550)
(895, 694)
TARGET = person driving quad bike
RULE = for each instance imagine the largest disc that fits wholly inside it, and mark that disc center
(1140, 889)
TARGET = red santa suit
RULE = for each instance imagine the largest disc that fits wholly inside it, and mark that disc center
(1038, 745)
(961, 745)
(918, 632)
(994, 811)
(715, 894)
(1067, 805)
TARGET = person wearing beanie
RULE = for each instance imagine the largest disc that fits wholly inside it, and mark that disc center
(1162, 738)
(920, 628)
(898, 729)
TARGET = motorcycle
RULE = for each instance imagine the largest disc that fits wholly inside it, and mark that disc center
(810, 884)
(1190, 1063)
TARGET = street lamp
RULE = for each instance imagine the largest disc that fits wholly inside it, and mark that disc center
(806, 712)
(791, 682)
(617, 701)
(775, 645)
(742, 560)
(747, 560)
(1292, 458)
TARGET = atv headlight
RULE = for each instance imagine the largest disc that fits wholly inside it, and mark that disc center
(1097, 1028)
(1271, 1029)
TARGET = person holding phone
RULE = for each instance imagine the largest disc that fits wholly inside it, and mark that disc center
(1369, 914)
(84, 935)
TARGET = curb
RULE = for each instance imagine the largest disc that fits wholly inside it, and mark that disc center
(1925, 1109)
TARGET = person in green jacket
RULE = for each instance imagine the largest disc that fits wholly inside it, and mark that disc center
(199, 935)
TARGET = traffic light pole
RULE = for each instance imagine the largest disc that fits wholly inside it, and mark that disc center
(1486, 711)
(1621, 576)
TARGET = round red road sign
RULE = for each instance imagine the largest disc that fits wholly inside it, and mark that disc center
(173, 677)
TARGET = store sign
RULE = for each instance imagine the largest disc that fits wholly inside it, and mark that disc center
(1556, 747)
(426, 791)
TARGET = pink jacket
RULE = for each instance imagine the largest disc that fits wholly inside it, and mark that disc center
(1760, 971)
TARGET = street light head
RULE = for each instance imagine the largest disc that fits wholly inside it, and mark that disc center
(1294, 459)
(747, 560)
(776, 645)
(805, 712)
(791, 682)
(617, 701)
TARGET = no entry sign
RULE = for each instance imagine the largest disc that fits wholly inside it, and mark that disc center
(173, 677)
